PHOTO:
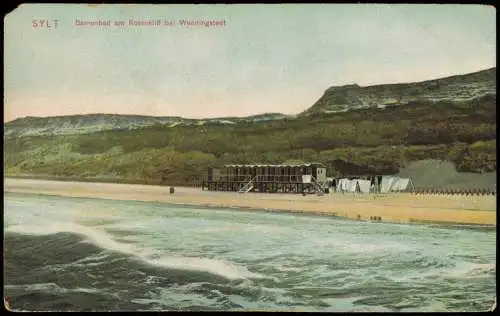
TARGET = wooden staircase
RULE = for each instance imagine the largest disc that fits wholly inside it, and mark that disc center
(247, 187)
(320, 190)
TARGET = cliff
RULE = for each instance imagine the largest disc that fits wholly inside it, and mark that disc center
(453, 89)
(91, 123)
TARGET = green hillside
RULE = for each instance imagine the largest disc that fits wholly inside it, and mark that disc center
(363, 141)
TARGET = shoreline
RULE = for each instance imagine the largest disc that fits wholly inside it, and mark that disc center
(391, 208)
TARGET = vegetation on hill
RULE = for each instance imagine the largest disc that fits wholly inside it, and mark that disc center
(355, 142)
(452, 89)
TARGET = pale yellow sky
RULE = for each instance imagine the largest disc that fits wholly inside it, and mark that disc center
(267, 58)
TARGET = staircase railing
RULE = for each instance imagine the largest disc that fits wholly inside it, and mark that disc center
(247, 187)
(317, 187)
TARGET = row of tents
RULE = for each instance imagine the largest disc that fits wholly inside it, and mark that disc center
(388, 184)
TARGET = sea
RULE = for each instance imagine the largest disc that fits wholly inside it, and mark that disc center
(84, 254)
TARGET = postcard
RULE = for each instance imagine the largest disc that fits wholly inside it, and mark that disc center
(250, 157)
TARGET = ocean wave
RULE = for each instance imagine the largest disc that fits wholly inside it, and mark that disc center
(101, 239)
(358, 246)
(218, 267)
(428, 261)
(238, 227)
(283, 268)
(154, 257)
(472, 270)
(461, 271)
(90, 261)
(50, 288)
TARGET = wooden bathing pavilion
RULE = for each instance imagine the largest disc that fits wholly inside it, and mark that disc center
(267, 178)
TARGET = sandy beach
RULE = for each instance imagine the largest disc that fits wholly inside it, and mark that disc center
(396, 208)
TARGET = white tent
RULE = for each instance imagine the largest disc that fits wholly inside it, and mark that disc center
(387, 182)
(352, 186)
(343, 185)
(395, 184)
(363, 186)
(401, 184)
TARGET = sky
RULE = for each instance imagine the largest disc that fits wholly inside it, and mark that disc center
(264, 58)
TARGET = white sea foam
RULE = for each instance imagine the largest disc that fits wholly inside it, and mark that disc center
(38, 287)
(463, 270)
(94, 236)
(472, 270)
(263, 229)
(50, 288)
(103, 240)
(288, 269)
(357, 246)
(218, 267)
